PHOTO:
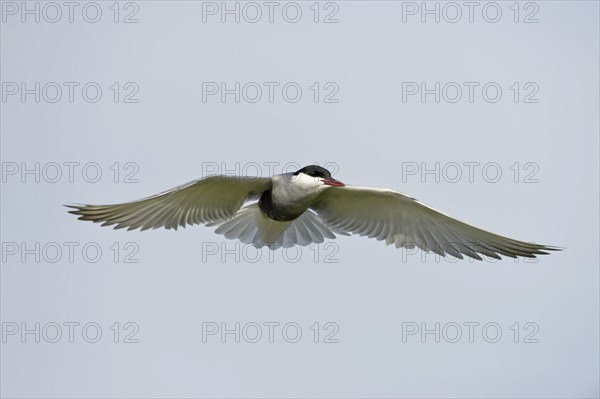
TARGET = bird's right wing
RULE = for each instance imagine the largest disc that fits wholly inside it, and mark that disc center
(405, 222)
(206, 200)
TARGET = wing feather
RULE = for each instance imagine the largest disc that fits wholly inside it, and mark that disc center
(405, 222)
(212, 199)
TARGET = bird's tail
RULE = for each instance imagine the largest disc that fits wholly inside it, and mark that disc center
(251, 226)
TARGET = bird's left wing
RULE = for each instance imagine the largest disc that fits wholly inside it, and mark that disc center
(206, 200)
(388, 215)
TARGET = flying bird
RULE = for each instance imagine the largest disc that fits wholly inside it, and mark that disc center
(304, 207)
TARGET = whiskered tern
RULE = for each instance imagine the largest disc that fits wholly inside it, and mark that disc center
(306, 207)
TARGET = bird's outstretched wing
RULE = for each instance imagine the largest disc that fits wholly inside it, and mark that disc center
(388, 215)
(206, 200)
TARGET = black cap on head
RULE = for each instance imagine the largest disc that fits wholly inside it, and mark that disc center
(315, 171)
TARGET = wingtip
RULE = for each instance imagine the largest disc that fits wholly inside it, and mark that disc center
(550, 248)
(77, 207)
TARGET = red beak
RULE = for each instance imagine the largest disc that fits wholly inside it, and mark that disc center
(333, 182)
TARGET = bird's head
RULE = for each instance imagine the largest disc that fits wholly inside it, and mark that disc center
(316, 176)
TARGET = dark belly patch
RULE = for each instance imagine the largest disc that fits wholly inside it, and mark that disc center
(265, 203)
